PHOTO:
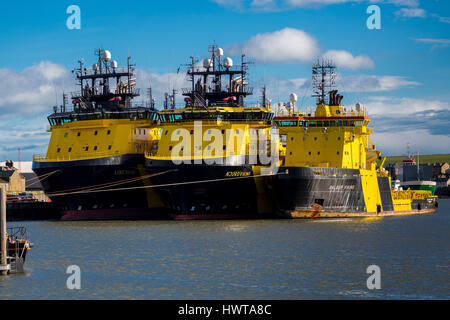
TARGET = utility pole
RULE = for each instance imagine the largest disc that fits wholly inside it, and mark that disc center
(3, 246)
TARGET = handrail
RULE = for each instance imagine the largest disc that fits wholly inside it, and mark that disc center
(95, 155)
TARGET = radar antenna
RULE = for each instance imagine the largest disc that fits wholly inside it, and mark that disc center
(323, 79)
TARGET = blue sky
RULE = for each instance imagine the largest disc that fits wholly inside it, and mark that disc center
(401, 72)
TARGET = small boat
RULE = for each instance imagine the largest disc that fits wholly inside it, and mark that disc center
(17, 246)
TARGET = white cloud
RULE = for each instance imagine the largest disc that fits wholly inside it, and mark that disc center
(293, 4)
(286, 45)
(291, 45)
(411, 13)
(394, 142)
(32, 90)
(437, 43)
(315, 3)
(371, 83)
(345, 59)
(160, 83)
(403, 106)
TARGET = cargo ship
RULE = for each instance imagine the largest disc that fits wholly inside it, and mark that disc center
(412, 176)
(329, 164)
(210, 144)
(94, 166)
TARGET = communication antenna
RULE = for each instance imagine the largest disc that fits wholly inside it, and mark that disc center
(323, 79)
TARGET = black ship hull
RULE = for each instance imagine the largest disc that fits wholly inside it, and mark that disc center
(204, 191)
(304, 192)
(81, 190)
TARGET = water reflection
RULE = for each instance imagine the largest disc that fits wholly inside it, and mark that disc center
(267, 259)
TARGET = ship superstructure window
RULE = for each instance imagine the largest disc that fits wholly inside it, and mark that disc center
(66, 135)
(79, 134)
(59, 150)
(109, 147)
(70, 149)
(95, 133)
(95, 148)
(109, 132)
(87, 149)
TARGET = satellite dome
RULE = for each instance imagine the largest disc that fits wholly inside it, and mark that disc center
(207, 63)
(106, 55)
(228, 63)
(293, 97)
(219, 52)
(359, 106)
(113, 64)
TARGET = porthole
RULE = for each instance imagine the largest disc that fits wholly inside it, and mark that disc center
(109, 147)
(170, 148)
(109, 132)
(95, 133)
(95, 148)
(59, 150)
(87, 149)
(78, 134)
(70, 149)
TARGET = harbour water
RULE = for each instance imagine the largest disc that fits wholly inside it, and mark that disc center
(267, 259)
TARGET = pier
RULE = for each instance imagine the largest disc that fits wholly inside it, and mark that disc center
(4, 266)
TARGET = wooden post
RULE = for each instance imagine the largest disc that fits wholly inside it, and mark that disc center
(3, 262)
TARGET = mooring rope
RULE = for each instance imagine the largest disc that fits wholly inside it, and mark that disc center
(105, 185)
(166, 185)
(47, 175)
